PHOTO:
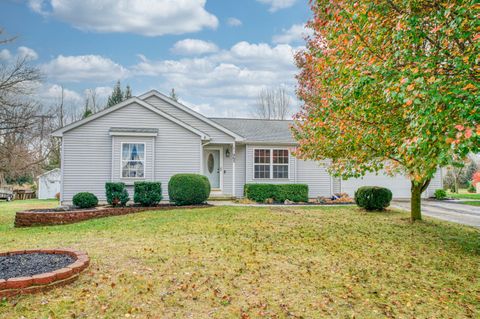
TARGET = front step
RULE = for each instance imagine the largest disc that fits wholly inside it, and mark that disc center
(220, 198)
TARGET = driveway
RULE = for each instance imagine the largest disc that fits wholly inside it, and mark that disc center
(452, 211)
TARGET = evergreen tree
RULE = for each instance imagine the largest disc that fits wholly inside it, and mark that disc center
(116, 96)
(87, 111)
(173, 95)
(128, 92)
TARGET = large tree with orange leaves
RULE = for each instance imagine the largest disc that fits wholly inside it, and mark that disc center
(390, 85)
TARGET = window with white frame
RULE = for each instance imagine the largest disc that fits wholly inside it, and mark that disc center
(271, 163)
(133, 160)
(280, 163)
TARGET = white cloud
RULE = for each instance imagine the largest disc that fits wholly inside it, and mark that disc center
(226, 83)
(234, 22)
(194, 46)
(145, 17)
(27, 53)
(49, 95)
(22, 53)
(53, 92)
(102, 92)
(296, 33)
(5, 55)
(92, 68)
(276, 5)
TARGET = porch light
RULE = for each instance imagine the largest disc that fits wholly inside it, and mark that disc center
(227, 153)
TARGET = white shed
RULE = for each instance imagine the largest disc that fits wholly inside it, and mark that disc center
(49, 184)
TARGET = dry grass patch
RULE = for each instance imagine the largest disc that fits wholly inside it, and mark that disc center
(249, 262)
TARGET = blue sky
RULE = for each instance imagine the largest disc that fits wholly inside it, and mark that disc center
(217, 54)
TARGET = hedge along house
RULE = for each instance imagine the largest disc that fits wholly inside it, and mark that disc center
(152, 137)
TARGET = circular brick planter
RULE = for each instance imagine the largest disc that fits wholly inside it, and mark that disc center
(46, 281)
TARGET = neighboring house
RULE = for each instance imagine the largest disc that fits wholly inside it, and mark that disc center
(49, 184)
(152, 137)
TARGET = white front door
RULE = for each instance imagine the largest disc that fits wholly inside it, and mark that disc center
(212, 167)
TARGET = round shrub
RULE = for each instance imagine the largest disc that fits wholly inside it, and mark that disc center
(440, 194)
(85, 200)
(373, 197)
(188, 189)
(147, 193)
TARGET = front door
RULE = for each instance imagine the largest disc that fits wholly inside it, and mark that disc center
(212, 167)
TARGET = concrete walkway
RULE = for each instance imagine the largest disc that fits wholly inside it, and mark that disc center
(452, 211)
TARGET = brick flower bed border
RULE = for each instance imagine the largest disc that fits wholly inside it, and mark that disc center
(45, 281)
(46, 218)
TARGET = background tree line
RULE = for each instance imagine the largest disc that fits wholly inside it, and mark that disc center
(26, 147)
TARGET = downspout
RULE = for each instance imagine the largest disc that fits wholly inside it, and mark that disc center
(113, 158)
(62, 164)
(154, 139)
(234, 154)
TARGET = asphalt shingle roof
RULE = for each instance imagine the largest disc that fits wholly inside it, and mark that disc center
(256, 130)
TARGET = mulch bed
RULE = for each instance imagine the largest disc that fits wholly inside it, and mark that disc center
(32, 271)
(47, 217)
(25, 265)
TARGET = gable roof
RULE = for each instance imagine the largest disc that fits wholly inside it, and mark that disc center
(260, 131)
(59, 132)
(238, 137)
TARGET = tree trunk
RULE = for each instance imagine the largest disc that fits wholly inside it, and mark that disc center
(416, 201)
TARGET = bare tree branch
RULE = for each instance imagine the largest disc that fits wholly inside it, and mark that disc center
(272, 104)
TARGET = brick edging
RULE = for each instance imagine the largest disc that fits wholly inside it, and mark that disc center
(46, 281)
(48, 218)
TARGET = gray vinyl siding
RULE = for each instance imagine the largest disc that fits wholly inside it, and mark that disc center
(87, 151)
(240, 163)
(217, 135)
(249, 166)
(435, 183)
(315, 175)
(227, 171)
(337, 184)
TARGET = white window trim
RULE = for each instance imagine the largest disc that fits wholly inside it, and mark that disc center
(144, 161)
(271, 163)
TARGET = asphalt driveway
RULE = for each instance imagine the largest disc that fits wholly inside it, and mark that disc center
(452, 211)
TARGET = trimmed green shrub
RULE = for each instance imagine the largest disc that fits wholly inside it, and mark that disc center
(278, 192)
(85, 200)
(471, 188)
(116, 193)
(440, 194)
(188, 189)
(147, 193)
(373, 197)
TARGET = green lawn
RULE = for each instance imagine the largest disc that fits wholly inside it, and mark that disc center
(471, 203)
(462, 195)
(238, 262)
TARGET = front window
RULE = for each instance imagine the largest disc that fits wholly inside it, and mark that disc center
(280, 163)
(262, 163)
(271, 163)
(133, 160)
